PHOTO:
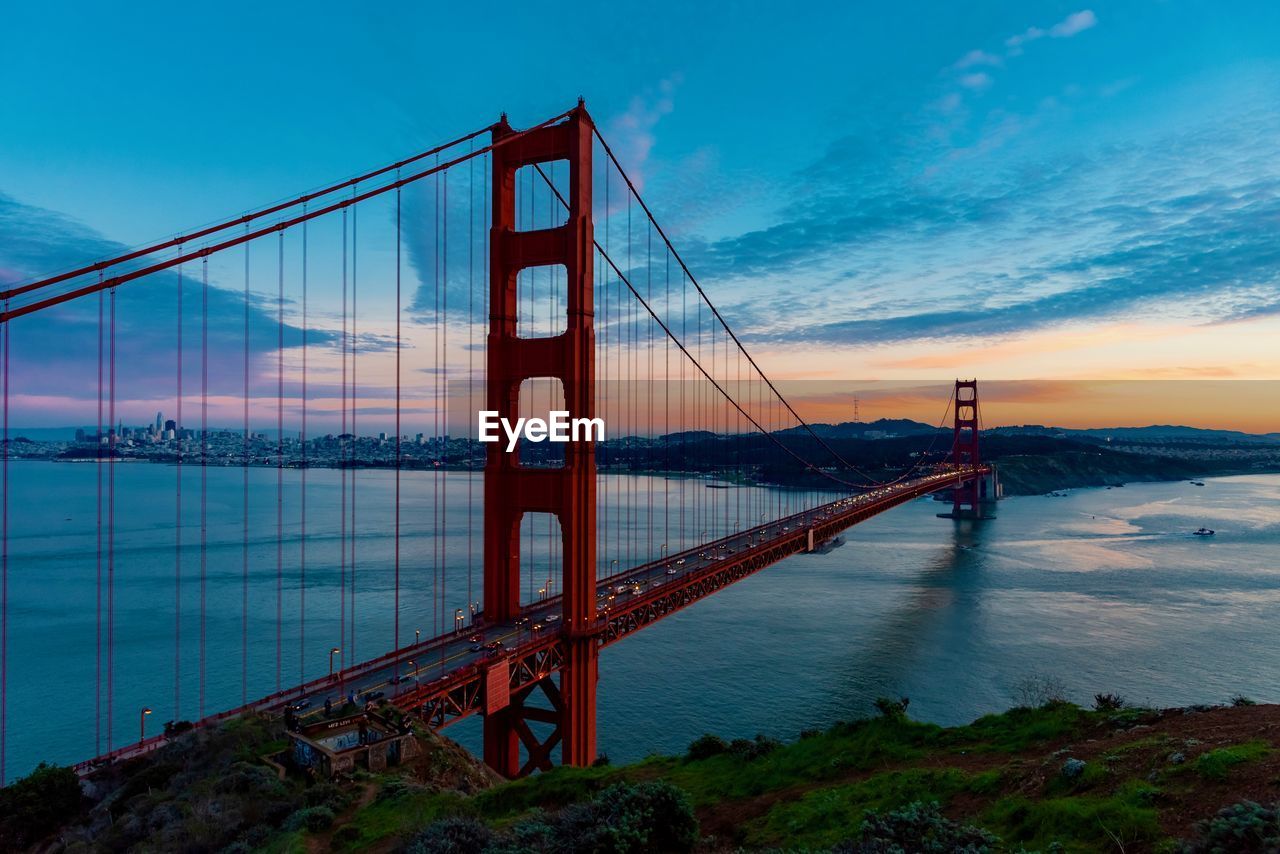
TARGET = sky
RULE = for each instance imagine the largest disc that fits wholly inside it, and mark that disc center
(872, 193)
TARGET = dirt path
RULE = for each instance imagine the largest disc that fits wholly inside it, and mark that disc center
(321, 843)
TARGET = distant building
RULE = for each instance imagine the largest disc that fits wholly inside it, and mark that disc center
(170, 426)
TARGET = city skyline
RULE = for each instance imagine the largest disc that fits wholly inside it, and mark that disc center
(1023, 193)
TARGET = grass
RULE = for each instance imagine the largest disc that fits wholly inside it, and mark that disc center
(1215, 764)
(1079, 823)
(400, 816)
(1017, 729)
(824, 817)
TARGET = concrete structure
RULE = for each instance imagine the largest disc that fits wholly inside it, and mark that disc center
(366, 740)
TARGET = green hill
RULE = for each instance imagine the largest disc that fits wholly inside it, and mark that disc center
(1052, 778)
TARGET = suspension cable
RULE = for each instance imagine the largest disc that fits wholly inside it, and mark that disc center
(716, 312)
(622, 277)
(107, 263)
(342, 204)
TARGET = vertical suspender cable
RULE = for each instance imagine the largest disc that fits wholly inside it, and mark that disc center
(111, 521)
(204, 470)
(177, 521)
(484, 262)
(435, 417)
(302, 481)
(355, 434)
(279, 459)
(444, 413)
(342, 467)
(7, 332)
(395, 633)
(244, 500)
(471, 363)
(97, 455)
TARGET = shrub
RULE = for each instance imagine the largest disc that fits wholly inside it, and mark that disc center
(34, 806)
(326, 794)
(601, 761)
(244, 778)
(453, 835)
(313, 819)
(1039, 690)
(1245, 827)
(919, 828)
(1242, 700)
(707, 746)
(894, 710)
(1073, 768)
(750, 749)
(643, 818)
(1108, 702)
(394, 788)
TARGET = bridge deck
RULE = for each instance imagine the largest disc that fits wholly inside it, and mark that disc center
(445, 681)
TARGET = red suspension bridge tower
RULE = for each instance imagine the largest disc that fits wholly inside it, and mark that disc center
(970, 499)
(511, 489)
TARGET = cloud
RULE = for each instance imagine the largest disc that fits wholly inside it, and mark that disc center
(1076, 22)
(977, 57)
(1073, 24)
(35, 241)
(977, 81)
(876, 247)
(1223, 258)
(1015, 43)
(631, 132)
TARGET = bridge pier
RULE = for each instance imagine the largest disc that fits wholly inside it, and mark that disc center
(568, 492)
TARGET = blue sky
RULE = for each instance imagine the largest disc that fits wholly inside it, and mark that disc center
(1018, 190)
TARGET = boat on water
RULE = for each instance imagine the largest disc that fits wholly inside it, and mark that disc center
(1203, 532)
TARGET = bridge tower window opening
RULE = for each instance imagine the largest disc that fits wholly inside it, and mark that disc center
(539, 397)
(541, 297)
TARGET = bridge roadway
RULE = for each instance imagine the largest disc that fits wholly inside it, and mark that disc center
(444, 679)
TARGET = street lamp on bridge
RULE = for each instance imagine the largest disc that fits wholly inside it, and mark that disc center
(332, 652)
(457, 620)
(142, 724)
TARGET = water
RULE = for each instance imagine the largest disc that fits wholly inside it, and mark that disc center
(1104, 589)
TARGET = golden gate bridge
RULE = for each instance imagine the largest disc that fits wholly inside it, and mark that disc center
(544, 282)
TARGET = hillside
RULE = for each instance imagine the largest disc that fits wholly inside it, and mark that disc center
(1052, 778)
